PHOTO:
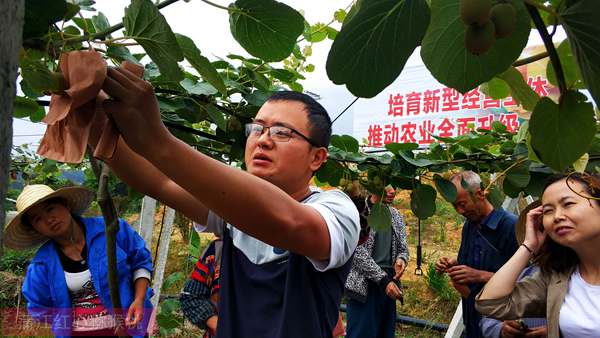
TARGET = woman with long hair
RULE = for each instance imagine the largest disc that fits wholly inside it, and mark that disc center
(563, 238)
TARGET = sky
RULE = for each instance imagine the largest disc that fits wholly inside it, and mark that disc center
(209, 28)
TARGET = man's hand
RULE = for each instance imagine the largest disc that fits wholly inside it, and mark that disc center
(134, 108)
(399, 267)
(211, 324)
(461, 288)
(444, 263)
(540, 331)
(463, 274)
(393, 291)
(511, 329)
(135, 313)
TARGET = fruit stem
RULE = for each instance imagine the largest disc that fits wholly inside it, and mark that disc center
(541, 27)
(530, 59)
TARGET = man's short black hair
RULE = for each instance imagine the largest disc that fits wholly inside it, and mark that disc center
(318, 118)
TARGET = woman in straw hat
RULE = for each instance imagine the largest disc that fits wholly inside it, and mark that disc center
(563, 237)
(67, 280)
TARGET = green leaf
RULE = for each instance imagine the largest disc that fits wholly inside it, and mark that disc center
(38, 115)
(519, 89)
(38, 76)
(40, 15)
(339, 15)
(330, 172)
(445, 187)
(380, 217)
(581, 163)
(172, 279)
(72, 10)
(200, 63)
(510, 189)
(257, 97)
(295, 86)
(169, 321)
(422, 201)
(71, 31)
(144, 23)
(85, 5)
(419, 162)
(560, 134)
(170, 305)
(536, 184)
(24, 107)
(398, 147)
(331, 33)
(569, 67)
(315, 33)
(259, 81)
(580, 21)
(100, 22)
(495, 196)
(121, 53)
(283, 75)
(518, 176)
(216, 116)
(443, 49)
(266, 29)
(345, 142)
(371, 50)
(198, 88)
(495, 88)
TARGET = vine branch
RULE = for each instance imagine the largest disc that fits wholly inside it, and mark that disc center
(111, 227)
(541, 7)
(552, 53)
(112, 29)
(217, 5)
(503, 173)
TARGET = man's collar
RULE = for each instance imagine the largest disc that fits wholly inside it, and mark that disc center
(492, 219)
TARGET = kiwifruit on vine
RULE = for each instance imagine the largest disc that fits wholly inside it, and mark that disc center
(504, 17)
(234, 125)
(475, 12)
(58, 83)
(485, 22)
(479, 39)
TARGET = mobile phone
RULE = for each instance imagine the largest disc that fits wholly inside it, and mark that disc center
(399, 285)
(523, 325)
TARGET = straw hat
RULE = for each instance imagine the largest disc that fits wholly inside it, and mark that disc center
(520, 226)
(18, 236)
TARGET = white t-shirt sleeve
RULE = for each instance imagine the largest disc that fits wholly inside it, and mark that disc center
(214, 224)
(341, 217)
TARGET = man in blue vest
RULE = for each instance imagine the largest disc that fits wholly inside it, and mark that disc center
(286, 248)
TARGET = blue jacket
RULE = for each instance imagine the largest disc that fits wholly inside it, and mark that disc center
(45, 286)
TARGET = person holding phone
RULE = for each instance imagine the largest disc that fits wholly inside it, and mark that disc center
(563, 237)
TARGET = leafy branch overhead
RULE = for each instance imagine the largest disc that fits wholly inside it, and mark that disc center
(463, 43)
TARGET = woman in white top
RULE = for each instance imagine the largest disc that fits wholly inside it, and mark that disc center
(563, 236)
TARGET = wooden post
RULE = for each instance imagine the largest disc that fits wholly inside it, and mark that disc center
(146, 223)
(163, 252)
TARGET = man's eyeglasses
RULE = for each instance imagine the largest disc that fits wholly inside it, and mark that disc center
(276, 133)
